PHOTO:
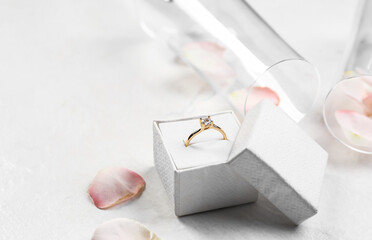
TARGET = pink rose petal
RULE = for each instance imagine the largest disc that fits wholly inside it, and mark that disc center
(123, 229)
(112, 186)
(357, 127)
(209, 57)
(256, 94)
(367, 103)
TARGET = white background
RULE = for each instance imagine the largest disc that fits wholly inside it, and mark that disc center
(80, 84)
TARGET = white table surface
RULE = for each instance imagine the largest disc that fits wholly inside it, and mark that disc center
(80, 84)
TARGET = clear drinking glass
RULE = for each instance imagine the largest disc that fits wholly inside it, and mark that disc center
(347, 109)
(232, 48)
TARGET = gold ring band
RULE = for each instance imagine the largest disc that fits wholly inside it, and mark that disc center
(205, 124)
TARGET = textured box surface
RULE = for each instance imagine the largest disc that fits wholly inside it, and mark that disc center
(196, 188)
(280, 160)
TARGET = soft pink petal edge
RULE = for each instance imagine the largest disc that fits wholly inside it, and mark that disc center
(123, 228)
(257, 94)
(367, 104)
(355, 122)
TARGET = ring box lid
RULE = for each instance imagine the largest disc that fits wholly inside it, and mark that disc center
(280, 160)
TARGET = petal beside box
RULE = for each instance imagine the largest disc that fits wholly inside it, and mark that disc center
(280, 160)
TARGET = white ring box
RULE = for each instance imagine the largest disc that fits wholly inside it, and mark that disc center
(197, 178)
(269, 153)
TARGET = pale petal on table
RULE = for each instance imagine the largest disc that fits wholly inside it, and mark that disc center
(123, 229)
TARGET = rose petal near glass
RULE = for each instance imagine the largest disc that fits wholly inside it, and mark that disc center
(122, 228)
(255, 95)
(358, 127)
(112, 186)
(361, 92)
(367, 102)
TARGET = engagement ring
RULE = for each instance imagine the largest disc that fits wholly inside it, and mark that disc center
(205, 124)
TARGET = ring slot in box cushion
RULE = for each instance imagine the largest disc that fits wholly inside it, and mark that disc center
(197, 178)
(280, 160)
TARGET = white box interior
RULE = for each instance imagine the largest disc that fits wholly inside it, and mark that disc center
(206, 148)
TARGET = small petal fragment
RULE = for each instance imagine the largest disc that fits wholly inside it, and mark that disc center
(255, 95)
(112, 186)
(356, 126)
(367, 103)
(209, 57)
(123, 229)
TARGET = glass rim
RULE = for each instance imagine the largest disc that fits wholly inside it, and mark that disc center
(325, 117)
